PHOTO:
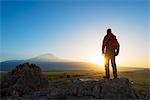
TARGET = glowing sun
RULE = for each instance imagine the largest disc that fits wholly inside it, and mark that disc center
(98, 59)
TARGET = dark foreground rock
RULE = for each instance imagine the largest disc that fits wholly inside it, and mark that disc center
(103, 89)
(27, 82)
(24, 79)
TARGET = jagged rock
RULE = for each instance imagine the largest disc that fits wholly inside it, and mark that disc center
(117, 89)
(24, 79)
(96, 90)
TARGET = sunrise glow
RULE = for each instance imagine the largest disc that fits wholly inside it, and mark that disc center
(98, 59)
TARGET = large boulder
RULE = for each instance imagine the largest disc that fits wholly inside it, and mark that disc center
(24, 79)
(116, 89)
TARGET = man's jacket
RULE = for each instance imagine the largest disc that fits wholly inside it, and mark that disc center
(110, 45)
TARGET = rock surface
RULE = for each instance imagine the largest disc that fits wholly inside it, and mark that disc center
(24, 79)
(27, 82)
(117, 89)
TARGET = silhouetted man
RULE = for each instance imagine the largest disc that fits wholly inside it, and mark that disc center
(110, 49)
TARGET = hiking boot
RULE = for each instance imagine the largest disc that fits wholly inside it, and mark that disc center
(115, 77)
(106, 77)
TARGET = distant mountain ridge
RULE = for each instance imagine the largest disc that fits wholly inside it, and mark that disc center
(48, 62)
(47, 57)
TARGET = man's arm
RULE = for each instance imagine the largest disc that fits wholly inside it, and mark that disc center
(103, 46)
(117, 48)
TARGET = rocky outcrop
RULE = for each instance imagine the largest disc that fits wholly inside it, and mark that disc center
(27, 82)
(24, 79)
(119, 88)
(116, 89)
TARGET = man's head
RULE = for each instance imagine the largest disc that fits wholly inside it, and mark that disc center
(108, 30)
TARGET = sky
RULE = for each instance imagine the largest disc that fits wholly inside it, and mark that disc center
(74, 29)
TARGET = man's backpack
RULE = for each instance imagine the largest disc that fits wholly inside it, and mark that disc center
(114, 44)
(117, 47)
